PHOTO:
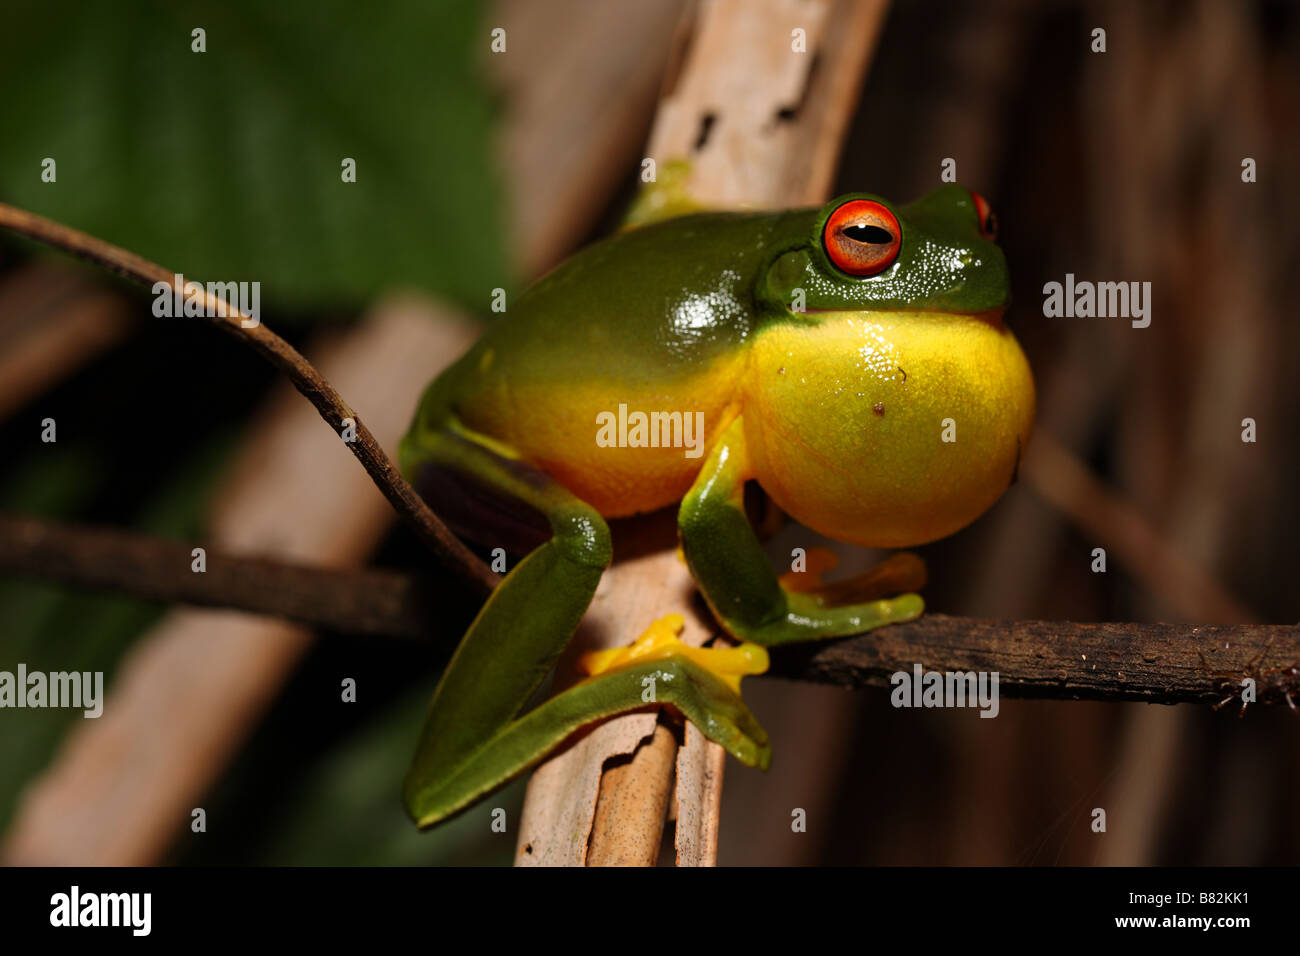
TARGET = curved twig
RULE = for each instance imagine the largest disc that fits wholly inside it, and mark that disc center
(305, 378)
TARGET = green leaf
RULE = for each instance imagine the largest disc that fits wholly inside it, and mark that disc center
(226, 165)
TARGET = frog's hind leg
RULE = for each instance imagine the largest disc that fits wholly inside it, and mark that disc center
(520, 630)
(474, 739)
(742, 589)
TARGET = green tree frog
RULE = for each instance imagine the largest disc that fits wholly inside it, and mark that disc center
(852, 360)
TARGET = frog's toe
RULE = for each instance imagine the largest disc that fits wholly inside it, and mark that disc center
(744, 739)
(701, 682)
(709, 700)
(904, 607)
(660, 641)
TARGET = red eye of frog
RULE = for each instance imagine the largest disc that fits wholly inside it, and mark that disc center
(988, 221)
(862, 237)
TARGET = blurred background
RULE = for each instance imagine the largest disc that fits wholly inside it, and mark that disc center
(476, 171)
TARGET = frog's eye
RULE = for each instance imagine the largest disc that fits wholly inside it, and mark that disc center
(988, 221)
(862, 237)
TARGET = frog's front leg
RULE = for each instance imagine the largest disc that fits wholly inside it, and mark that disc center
(737, 580)
(474, 739)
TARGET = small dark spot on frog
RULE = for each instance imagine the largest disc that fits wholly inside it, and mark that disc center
(904, 371)
(879, 409)
(781, 370)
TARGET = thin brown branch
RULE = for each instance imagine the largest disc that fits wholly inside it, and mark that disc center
(305, 378)
(1158, 663)
(370, 601)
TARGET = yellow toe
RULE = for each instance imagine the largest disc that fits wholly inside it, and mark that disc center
(661, 640)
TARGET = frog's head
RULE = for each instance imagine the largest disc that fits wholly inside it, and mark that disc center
(893, 408)
(937, 254)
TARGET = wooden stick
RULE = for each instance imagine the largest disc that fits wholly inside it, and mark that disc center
(636, 788)
(1156, 663)
(371, 601)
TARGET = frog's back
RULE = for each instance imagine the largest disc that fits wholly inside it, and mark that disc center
(654, 320)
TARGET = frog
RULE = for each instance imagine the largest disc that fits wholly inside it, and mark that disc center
(851, 360)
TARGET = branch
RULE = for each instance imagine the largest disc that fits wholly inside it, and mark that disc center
(1158, 663)
(313, 386)
(371, 601)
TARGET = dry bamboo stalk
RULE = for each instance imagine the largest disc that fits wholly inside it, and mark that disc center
(581, 80)
(633, 791)
(698, 799)
(564, 792)
(774, 131)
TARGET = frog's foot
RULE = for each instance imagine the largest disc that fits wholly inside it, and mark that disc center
(702, 683)
(814, 610)
(661, 640)
(808, 617)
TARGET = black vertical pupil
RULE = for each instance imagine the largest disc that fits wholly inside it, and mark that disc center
(874, 235)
